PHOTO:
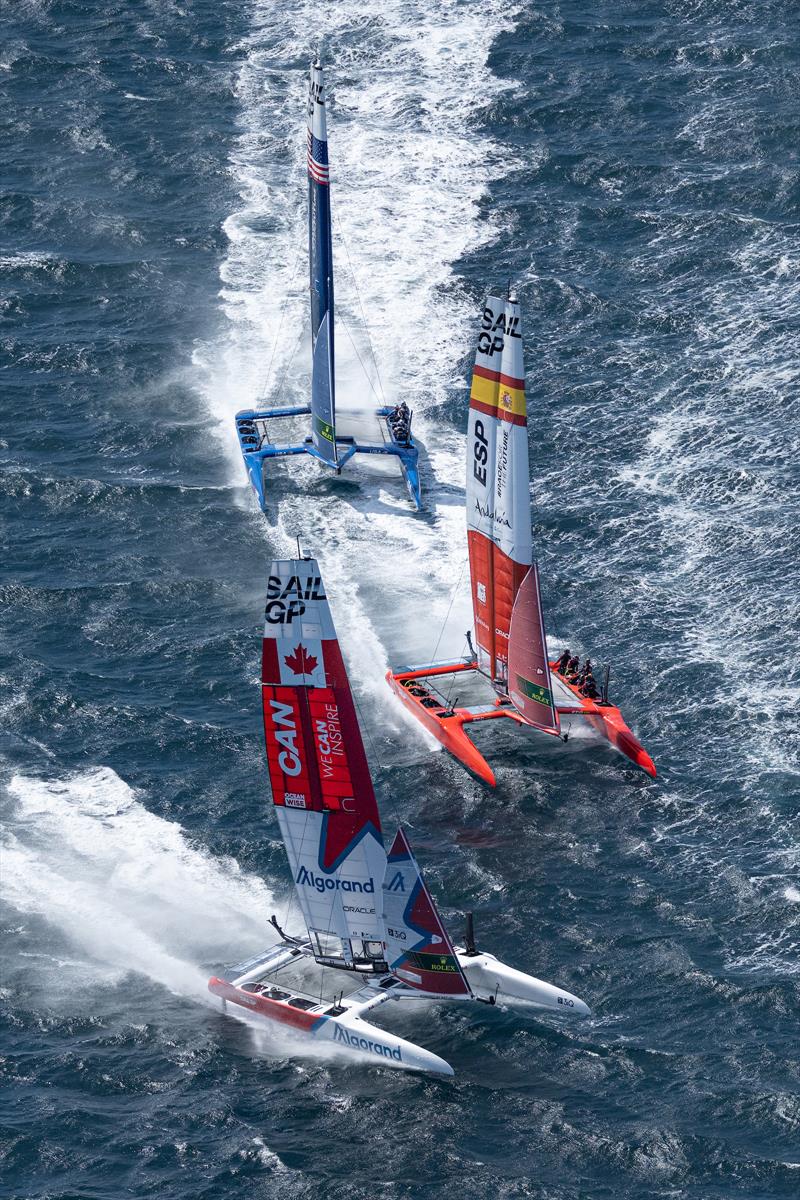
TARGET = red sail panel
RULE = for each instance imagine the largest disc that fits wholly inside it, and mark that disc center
(418, 948)
(291, 768)
(496, 579)
(321, 783)
(529, 683)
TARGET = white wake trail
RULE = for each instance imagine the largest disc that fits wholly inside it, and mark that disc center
(410, 166)
(124, 889)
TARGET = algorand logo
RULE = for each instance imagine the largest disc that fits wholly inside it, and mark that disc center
(340, 1034)
(326, 883)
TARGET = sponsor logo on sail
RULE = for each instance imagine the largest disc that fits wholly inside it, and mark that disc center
(396, 883)
(440, 963)
(324, 429)
(356, 1042)
(502, 463)
(330, 883)
(488, 514)
(294, 800)
(534, 691)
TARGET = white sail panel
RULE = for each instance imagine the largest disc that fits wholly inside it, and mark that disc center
(498, 487)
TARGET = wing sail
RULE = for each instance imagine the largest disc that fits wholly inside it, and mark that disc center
(529, 683)
(321, 784)
(498, 496)
(320, 255)
(418, 949)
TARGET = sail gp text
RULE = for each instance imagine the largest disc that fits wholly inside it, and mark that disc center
(286, 597)
(494, 330)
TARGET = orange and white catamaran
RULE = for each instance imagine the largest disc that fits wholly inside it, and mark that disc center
(510, 644)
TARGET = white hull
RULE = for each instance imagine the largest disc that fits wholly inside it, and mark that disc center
(352, 1035)
(260, 990)
(492, 981)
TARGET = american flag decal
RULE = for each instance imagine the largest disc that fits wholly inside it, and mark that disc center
(317, 160)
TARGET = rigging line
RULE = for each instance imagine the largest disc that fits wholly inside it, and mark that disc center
(454, 678)
(449, 608)
(360, 359)
(264, 386)
(289, 362)
(534, 514)
(360, 305)
(374, 753)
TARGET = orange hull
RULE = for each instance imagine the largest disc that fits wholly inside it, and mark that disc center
(447, 724)
(609, 721)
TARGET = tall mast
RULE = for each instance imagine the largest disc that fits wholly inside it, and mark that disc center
(320, 259)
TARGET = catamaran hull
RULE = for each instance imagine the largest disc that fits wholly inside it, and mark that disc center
(608, 721)
(493, 981)
(349, 1034)
(447, 724)
(257, 449)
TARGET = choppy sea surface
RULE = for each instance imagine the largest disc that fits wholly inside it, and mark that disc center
(633, 168)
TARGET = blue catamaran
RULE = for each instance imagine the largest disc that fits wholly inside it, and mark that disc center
(331, 449)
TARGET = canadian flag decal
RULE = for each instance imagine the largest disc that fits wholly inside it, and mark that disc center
(300, 661)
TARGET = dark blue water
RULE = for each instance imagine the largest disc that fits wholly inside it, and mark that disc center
(634, 168)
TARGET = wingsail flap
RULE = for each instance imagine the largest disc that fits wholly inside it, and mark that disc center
(321, 784)
(320, 256)
(498, 497)
(418, 948)
(529, 684)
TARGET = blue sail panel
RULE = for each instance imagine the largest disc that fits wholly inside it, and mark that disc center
(320, 256)
(322, 430)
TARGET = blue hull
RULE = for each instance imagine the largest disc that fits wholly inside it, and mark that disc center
(256, 449)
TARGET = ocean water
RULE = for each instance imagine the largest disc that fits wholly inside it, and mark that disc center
(633, 168)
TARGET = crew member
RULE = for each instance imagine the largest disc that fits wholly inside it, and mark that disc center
(571, 673)
(562, 663)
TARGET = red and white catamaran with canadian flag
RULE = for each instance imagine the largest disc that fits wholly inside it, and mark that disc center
(371, 923)
(511, 647)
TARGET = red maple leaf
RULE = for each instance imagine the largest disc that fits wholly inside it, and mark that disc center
(300, 661)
